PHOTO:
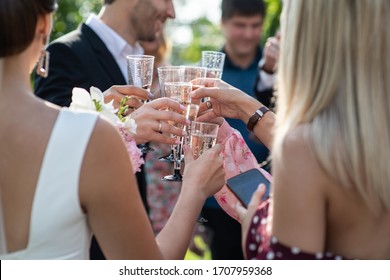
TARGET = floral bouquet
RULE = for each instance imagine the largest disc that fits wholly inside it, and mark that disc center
(94, 101)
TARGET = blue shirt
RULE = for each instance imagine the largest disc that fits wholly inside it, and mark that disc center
(245, 79)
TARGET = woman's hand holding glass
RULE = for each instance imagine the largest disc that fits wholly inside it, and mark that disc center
(155, 123)
(225, 101)
(206, 173)
(180, 92)
(140, 74)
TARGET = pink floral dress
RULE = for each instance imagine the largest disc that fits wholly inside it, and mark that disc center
(237, 159)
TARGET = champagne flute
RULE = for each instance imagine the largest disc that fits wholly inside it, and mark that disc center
(194, 74)
(169, 74)
(203, 137)
(181, 74)
(214, 62)
(140, 74)
(180, 92)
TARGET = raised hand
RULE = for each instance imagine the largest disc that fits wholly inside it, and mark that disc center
(271, 54)
(225, 101)
(153, 119)
(245, 215)
(136, 94)
(206, 174)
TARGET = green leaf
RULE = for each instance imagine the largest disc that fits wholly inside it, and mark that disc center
(98, 106)
(122, 109)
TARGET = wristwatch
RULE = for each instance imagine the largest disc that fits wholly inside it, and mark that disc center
(256, 117)
(262, 67)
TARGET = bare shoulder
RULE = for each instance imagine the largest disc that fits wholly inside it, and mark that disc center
(299, 197)
(298, 155)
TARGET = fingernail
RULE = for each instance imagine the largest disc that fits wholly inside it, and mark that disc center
(177, 141)
(188, 122)
(182, 107)
(150, 95)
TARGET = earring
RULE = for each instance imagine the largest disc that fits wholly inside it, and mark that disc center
(43, 64)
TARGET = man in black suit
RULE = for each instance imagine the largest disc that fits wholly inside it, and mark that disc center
(95, 55)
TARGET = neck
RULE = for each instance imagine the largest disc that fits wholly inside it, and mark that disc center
(116, 20)
(240, 60)
(16, 78)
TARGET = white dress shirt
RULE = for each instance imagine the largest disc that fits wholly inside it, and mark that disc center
(266, 80)
(117, 46)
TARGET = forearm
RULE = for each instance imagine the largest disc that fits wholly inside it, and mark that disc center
(175, 237)
(264, 127)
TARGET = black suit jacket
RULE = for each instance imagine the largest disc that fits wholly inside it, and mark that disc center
(78, 59)
(81, 59)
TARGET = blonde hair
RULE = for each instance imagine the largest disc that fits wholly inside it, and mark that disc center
(333, 77)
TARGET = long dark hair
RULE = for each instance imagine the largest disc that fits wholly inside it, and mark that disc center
(18, 20)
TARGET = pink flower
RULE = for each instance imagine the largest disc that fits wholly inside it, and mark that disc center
(135, 154)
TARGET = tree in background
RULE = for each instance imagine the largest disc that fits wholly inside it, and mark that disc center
(271, 24)
(71, 13)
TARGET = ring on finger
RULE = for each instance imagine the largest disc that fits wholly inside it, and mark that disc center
(209, 105)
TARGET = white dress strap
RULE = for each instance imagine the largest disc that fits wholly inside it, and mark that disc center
(3, 243)
(56, 197)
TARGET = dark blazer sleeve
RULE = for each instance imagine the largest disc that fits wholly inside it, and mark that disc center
(65, 73)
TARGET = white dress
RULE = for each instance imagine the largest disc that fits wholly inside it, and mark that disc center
(58, 226)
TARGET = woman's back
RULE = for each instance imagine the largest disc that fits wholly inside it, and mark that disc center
(316, 214)
(352, 228)
(338, 92)
(43, 216)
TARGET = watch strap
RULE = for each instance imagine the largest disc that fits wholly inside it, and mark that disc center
(257, 115)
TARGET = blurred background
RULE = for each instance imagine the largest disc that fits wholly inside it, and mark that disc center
(195, 28)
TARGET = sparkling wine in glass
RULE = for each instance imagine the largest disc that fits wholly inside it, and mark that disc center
(203, 137)
(140, 74)
(169, 74)
(191, 113)
(180, 92)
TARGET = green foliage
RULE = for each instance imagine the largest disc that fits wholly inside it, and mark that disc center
(271, 23)
(71, 13)
(206, 36)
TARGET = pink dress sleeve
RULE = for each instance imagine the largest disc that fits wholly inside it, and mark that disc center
(237, 159)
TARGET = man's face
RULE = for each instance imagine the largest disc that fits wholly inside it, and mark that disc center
(242, 33)
(148, 17)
